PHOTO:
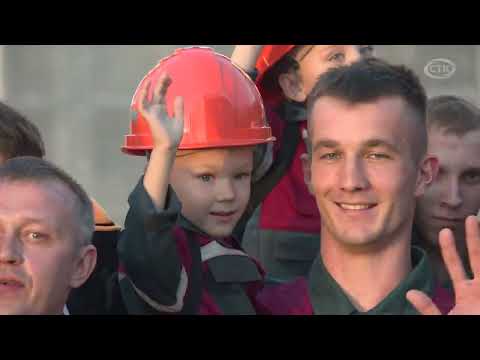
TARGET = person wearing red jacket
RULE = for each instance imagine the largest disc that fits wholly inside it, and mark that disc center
(283, 233)
(453, 125)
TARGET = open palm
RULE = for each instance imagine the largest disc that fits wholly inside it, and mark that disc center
(166, 131)
(467, 291)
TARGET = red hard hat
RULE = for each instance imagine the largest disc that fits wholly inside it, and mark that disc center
(223, 107)
(269, 56)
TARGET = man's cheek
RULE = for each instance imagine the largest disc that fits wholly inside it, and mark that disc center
(432, 196)
(49, 268)
(472, 197)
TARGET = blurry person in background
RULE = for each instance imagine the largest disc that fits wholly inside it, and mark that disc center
(453, 126)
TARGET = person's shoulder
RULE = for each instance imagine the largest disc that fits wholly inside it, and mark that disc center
(103, 222)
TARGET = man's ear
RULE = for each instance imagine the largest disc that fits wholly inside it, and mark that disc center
(427, 173)
(292, 86)
(307, 171)
(84, 266)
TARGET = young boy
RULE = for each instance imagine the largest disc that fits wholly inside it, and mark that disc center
(286, 237)
(177, 252)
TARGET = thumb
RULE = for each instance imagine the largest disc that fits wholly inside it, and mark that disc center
(422, 303)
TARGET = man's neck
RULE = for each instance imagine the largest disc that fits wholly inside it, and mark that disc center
(367, 277)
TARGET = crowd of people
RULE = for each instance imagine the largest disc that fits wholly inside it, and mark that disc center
(284, 180)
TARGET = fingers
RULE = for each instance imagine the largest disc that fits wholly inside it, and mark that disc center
(178, 108)
(158, 96)
(161, 88)
(452, 260)
(142, 98)
(422, 303)
(472, 235)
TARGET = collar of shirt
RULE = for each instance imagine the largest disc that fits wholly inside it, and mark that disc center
(328, 297)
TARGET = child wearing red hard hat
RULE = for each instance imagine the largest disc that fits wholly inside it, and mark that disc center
(200, 120)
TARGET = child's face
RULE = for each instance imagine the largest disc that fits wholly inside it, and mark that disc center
(314, 60)
(214, 187)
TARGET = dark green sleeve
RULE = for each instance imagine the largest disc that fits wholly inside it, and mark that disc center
(147, 247)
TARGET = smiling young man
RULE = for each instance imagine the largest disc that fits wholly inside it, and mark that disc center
(367, 164)
(283, 233)
(454, 138)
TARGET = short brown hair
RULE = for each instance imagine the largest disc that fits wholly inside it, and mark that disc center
(369, 80)
(452, 114)
(18, 136)
(36, 170)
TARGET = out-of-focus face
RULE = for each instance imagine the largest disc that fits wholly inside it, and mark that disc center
(455, 193)
(40, 256)
(214, 187)
(314, 60)
(364, 173)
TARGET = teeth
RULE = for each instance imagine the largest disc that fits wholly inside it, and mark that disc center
(354, 207)
(7, 282)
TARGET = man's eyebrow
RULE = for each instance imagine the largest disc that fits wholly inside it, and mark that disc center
(331, 144)
(328, 48)
(381, 143)
(36, 221)
(471, 169)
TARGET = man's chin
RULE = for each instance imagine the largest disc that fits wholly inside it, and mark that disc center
(358, 240)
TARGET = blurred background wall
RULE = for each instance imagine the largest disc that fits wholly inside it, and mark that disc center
(79, 97)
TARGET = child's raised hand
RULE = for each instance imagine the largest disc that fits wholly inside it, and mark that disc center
(166, 132)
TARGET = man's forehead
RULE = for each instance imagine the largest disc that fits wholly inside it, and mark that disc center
(32, 192)
(442, 139)
(332, 103)
(383, 116)
(47, 205)
(454, 150)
